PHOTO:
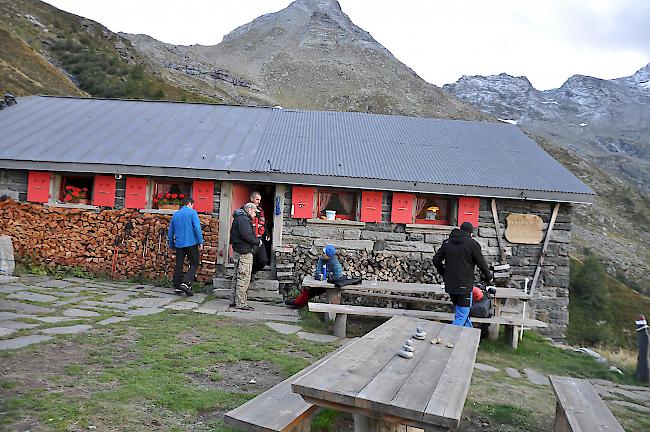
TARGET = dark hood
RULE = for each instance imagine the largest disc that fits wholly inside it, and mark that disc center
(238, 213)
(457, 236)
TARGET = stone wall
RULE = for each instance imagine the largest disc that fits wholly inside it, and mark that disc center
(13, 183)
(397, 252)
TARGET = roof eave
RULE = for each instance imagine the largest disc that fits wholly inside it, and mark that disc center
(306, 180)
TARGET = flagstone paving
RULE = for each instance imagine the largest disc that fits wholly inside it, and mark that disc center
(77, 305)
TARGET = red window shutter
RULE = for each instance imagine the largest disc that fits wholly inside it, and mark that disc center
(104, 191)
(402, 211)
(136, 193)
(370, 206)
(302, 202)
(38, 186)
(468, 210)
(203, 194)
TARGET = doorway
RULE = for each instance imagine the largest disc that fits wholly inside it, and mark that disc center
(241, 193)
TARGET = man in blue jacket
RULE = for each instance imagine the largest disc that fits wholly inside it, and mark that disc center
(185, 236)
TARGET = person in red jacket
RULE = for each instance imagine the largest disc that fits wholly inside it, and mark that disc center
(260, 260)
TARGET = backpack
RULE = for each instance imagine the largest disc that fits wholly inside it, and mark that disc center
(483, 307)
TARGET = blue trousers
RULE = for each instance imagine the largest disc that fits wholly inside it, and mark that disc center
(461, 317)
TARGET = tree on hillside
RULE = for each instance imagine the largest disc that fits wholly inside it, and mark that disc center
(589, 283)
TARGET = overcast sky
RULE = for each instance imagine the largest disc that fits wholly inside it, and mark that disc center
(545, 40)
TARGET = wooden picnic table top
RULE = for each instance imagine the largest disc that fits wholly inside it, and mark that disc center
(411, 288)
(368, 377)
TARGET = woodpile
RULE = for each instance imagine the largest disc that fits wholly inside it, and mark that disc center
(386, 266)
(119, 243)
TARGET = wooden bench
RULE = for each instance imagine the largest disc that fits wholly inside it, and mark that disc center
(396, 291)
(342, 311)
(579, 408)
(278, 408)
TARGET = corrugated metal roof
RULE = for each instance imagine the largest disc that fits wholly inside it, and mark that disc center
(264, 144)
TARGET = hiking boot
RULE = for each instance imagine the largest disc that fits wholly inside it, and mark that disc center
(186, 289)
(232, 305)
(178, 291)
(246, 308)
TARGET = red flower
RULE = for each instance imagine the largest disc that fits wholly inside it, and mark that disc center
(181, 196)
(168, 195)
(68, 187)
(174, 196)
(159, 195)
(68, 198)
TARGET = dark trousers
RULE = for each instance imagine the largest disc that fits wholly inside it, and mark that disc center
(260, 258)
(192, 254)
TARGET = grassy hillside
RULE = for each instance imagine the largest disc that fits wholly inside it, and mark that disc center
(602, 310)
(101, 63)
(23, 71)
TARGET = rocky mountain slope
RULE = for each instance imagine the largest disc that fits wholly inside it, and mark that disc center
(607, 121)
(44, 50)
(309, 55)
(600, 129)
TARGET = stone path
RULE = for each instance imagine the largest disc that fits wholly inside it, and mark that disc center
(34, 309)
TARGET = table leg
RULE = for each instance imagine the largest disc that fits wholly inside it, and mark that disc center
(493, 330)
(333, 296)
(369, 424)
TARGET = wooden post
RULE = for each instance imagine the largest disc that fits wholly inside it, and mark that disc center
(547, 239)
(495, 216)
(493, 329)
(512, 336)
(643, 362)
(561, 423)
(224, 222)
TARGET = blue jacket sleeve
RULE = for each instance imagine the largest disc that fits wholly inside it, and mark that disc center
(170, 235)
(319, 266)
(196, 224)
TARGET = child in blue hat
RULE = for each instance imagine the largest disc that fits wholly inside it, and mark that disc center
(333, 272)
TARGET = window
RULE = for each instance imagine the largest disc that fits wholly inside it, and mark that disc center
(342, 202)
(170, 193)
(432, 209)
(76, 189)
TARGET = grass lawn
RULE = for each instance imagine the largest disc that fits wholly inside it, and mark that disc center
(181, 371)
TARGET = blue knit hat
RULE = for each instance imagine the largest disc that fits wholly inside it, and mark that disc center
(329, 250)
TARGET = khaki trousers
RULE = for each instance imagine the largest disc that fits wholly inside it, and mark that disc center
(242, 279)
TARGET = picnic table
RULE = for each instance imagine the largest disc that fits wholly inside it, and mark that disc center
(333, 296)
(384, 391)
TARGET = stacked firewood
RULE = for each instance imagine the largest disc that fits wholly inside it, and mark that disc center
(385, 266)
(119, 243)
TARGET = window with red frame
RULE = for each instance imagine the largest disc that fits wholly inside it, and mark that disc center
(344, 203)
(170, 193)
(76, 190)
(432, 209)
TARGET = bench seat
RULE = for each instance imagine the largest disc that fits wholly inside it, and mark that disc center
(580, 409)
(509, 322)
(277, 409)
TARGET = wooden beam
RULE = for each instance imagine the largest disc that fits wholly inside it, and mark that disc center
(495, 216)
(547, 240)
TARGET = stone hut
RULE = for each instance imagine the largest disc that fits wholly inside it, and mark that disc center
(91, 183)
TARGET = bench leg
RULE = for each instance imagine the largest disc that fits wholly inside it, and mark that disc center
(512, 336)
(333, 296)
(561, 423)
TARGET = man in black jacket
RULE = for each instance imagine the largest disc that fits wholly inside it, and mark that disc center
(455, 261)
(244, 243)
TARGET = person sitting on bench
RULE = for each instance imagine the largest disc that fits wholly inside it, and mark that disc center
(455, 261)
(328, 268)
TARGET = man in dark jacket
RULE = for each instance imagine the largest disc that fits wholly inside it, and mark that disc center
(244, 243)
(455, 261)
(184, 236)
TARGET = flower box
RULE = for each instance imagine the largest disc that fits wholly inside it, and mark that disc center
(168, 206)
